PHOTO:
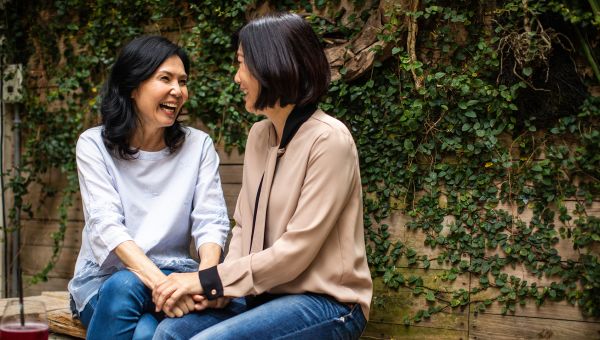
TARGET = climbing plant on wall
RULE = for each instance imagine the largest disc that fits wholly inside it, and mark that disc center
(466, 115)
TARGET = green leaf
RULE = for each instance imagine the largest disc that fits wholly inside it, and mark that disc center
(395, 50)
(527, 71)
(430, 297)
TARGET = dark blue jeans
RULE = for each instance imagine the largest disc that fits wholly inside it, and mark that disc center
(122, 309)
(297, 316)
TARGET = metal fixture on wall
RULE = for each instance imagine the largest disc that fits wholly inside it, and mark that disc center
(12, 93)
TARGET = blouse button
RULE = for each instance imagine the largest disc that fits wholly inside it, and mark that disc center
(213, 292)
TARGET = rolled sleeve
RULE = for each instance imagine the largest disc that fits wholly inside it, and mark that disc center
(106, 235)
(101, 201)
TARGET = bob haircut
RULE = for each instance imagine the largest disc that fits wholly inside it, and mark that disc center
(138, 60)
(284, 54)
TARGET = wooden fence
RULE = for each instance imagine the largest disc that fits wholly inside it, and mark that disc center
(550, 321)
(553, 320)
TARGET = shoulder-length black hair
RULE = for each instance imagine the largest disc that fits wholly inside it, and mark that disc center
(284, 54)
(138, 60)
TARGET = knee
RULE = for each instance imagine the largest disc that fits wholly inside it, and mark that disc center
(167, 330)
(122, 293)
(145, 327)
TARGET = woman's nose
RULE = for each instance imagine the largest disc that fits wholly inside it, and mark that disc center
(176, 90)
(236, 78)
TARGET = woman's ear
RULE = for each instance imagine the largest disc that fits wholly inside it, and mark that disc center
(134, 94)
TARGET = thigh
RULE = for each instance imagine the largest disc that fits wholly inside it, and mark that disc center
(291, 316)
(188, 325)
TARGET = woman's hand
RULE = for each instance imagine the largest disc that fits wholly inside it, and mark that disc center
(182, 307)
(166, 294)
(203, 303)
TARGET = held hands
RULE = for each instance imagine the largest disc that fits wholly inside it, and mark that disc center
(179, 294)
(184, 306)
(166, 295)
(220, 302)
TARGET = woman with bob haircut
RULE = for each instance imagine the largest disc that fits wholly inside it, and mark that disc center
(149, 185)
(296, 265)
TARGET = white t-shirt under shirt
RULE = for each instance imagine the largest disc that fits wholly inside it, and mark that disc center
(159, 200)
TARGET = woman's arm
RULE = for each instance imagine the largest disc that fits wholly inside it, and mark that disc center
(209, 220)
(101, 200)
(210, 255)
(138, 263)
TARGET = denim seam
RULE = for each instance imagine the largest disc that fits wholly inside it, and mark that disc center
(320, 324)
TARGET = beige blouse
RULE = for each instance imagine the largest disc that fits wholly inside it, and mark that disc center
(309, 225)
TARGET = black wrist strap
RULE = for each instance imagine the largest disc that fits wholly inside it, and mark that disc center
(211, 283)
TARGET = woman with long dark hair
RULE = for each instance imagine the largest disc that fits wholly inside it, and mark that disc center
(149, 186)
(296, 266)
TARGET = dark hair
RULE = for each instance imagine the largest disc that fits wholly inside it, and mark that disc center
(284, 54)
(138, 60)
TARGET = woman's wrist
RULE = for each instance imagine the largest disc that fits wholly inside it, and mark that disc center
(210, 255)
(210, 282)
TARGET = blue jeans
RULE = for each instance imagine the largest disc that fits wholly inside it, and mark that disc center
(122, 309)
(297, 316)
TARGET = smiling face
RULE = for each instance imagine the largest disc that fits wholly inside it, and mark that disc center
(159, 98)
(248, 84)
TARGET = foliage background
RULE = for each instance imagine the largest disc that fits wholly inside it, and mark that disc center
(470, 114)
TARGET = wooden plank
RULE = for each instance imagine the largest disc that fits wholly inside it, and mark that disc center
(431, 278)
(393, 308)
(231, 157)
(549, 309)
(39, 233)
(415, 239)
(60, 294)
(491, 326)
(61, 321)
(54, 336)
(51, 303)
(48, 208)
(231, 173)
(35, 258)
(53, 283)
(231, 192)
(390, 306)
(378, 330)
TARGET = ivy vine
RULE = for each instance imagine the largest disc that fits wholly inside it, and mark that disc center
(479, 142)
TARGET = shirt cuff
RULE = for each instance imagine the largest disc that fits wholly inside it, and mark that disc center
(211, 283)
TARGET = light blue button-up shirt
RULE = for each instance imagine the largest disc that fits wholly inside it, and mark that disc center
(159, 200)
